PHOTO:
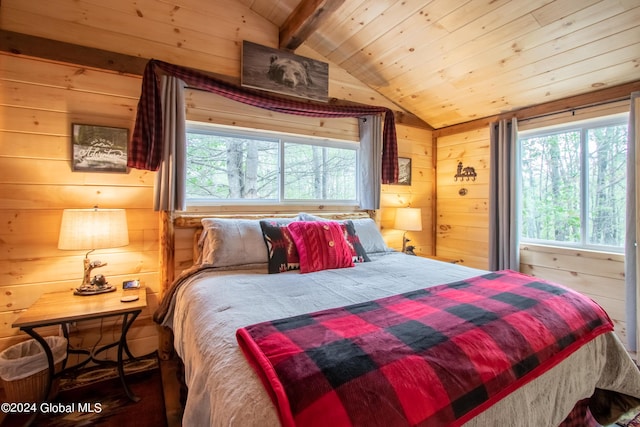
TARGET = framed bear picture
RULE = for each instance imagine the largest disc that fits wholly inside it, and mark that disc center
(283, 72)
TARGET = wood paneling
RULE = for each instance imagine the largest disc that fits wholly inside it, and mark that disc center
(305, 20)
(208, 108)
(222, 60)
(595, 274)
(40, 100)
(416, 144)
(184, 32)
(566, 107)
(462, 222)
(451, 62)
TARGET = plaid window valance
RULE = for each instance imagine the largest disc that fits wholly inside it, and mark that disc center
(145, 149)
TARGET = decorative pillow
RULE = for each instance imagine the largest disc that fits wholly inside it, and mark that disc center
(321, 245)
(365, 228)
(303, 216)
(227, 241)
(358, 253)
(369, 235)
(281, 249)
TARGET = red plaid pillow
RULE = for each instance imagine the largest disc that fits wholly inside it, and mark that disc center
(321, 245)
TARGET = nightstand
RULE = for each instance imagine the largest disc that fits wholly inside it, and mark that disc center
(64, 308)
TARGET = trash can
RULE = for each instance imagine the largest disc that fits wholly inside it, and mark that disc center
(24, 369)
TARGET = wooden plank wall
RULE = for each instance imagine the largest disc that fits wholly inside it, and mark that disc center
(595, 274)
(462, 230)
(462, 222)
(184, 33)
(213, 109)
(416, 144)
(40, 101)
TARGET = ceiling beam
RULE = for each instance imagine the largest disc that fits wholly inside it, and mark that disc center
(39, 47)
(304, 20)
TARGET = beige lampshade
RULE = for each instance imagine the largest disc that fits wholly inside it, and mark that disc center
(408, 219)
(88, 229)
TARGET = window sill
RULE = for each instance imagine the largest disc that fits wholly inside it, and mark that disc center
(563, 250)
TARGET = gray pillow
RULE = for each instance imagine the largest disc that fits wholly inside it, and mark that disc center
(369, 234)
(227, 241)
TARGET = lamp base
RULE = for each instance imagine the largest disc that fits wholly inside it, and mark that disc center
(404, 241)
(97, 285)
(93, 289)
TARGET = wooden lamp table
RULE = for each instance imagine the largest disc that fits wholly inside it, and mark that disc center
(64, 308)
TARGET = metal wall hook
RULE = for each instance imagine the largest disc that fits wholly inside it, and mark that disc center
(465, 173)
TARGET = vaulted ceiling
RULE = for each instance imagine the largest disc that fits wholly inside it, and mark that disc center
(453, 61)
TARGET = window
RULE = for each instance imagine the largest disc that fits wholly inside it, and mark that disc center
(245, 166)
(574, 184)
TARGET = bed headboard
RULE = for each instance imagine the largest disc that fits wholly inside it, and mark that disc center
(180, 233)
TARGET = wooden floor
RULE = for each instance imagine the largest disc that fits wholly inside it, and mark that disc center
(171, 388)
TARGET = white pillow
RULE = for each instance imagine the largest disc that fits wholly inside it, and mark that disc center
(366, 229)
(369, 235)
(227, 241)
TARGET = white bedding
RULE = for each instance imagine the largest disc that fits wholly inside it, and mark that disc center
(225, 391)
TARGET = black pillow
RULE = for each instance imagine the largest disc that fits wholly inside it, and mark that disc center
(281, 249)
(359, 254)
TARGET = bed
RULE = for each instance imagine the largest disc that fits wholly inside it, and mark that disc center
(245, 277)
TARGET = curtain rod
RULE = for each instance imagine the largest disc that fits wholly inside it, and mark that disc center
(574, 109)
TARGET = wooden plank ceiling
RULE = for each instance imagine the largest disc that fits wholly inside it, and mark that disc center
(454, 61)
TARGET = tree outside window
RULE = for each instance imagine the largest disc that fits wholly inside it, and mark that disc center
(574, 185)
(227, 166)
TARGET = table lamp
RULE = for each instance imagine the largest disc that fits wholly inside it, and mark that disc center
(408, 219)
(91, 229)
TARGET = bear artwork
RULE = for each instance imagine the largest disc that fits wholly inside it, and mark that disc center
(289, 72)
(283, 72)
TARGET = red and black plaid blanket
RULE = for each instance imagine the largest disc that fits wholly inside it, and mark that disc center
(432, 357)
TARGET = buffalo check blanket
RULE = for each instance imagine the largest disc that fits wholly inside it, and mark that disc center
(432, 357)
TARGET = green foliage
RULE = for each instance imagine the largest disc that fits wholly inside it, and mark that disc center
(223, 167)
(321, 173)
(573, 186)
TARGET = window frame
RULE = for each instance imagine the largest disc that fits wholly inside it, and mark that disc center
(280, 138)
(583, 127)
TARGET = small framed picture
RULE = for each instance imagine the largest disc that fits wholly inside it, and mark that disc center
(404, 171)
(99, 148)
